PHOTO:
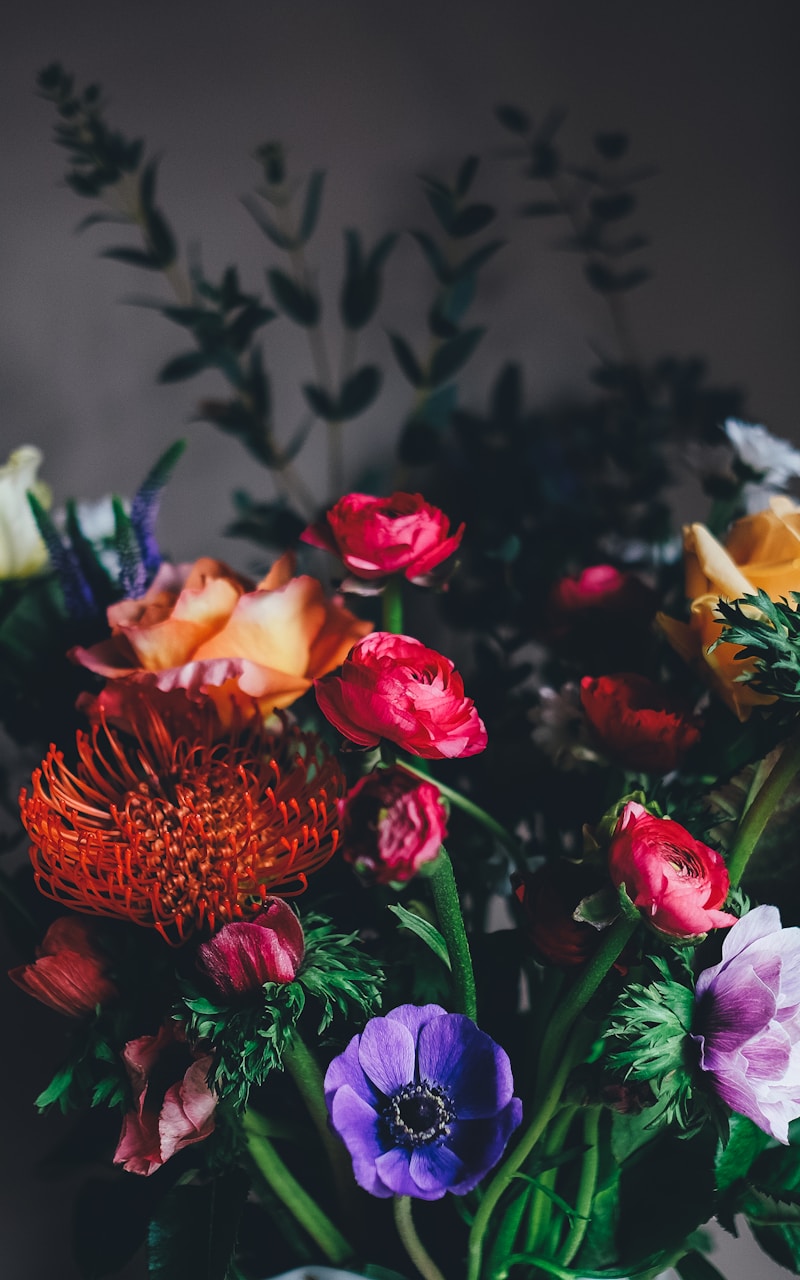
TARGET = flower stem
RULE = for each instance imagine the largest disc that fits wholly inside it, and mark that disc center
(451, 922)
(305, 1072)
(289, 1191)
(501, 833)
(411, 1241)
(392, 605)
(586, 1185)
(755, 818)
(564, 1045)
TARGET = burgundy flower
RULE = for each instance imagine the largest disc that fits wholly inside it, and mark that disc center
(173, 1105)
(602, 618)
(548, 897)
(392, 823)
(637, 722)
(375, 537)
(600, 587)
(394, 687)
(747, 1021)
(70, 974)
(677, 882)
(245, 954)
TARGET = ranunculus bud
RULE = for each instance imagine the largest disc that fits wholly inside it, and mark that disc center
(392, 823)
(638, 723)
(549, 897)
(603, 616)
(394, 687)
(678, 883)
(375, 537)
(70, 974)
(245, 954)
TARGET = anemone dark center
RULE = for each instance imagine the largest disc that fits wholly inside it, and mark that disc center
(418, 1114)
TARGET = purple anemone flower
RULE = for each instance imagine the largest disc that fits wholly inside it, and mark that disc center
(747, 1022)
(423, 1101)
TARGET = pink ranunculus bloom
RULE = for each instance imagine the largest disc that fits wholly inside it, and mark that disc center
(208, 630)
(375, 537)
(678, 883)
(245, 954)
(394, 687)
(70, 973)
(747, 1021)
(637, 722)
(392, 823)
(600, 586)
(164, 1120)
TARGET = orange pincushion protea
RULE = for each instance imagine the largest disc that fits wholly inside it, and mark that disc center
(180, 833)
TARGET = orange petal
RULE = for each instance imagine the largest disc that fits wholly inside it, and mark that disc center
(272, 628)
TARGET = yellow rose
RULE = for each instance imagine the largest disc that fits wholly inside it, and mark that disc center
(760, 551)
(22, 552)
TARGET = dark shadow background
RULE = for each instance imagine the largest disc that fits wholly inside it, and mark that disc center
(374, 92)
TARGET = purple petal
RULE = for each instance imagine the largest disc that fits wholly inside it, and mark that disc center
(346, 1069)
(475, 1072)
(392, 1169)
(415, 1016)
(387, 1054)
(435, 1169)
(479, 1144)
(359, 1128)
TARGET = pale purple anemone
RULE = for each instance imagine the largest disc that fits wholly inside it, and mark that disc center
(423, 1101)
(747, 1022)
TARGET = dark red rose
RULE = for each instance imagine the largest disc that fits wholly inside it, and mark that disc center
(638, 723)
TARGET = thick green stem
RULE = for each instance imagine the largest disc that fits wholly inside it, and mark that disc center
(289, 1191)
(501, 833)
(411, 1241)
(451, 923)
(392, 605)
(757, 815)
(304, 1070)
(541, 1204)
(586, 1186)
(563, 1046)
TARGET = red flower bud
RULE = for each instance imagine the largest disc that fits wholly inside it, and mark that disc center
(392, 823)
(548, 897)
(70, 973)
(676, 881)
(637, 722)
(244, 955)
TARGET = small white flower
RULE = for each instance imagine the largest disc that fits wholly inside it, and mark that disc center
(774, 461)
(560, 727)
(22, 551)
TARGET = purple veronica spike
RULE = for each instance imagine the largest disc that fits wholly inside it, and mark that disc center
(747, 1022)
(423, 1101)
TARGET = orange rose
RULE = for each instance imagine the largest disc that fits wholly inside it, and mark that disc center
(203, 628)
(760, 551)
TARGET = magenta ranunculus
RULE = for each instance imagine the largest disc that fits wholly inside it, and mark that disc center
(677, 882)
(394, 687)
(167, 1115)
(392, 823)
(375, 537)
(245, 954)
(747, 1021)
(70, 973)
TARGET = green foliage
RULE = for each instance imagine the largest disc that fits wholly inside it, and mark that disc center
(423, 929)
(94, 1070)
(768, 632)
(177, 1248)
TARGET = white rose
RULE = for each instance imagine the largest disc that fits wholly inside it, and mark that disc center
(22, 552)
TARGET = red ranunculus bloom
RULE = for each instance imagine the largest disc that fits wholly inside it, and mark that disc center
(173, 1106)
(392, 823)
(637, 722)
(394, 687)
(549, 897)
(70, 973)
(678, 883)
(375, 537)
(245, 954)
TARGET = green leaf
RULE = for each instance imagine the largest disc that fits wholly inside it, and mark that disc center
(471, 220)
(442, 203)
(282, 239)
(359, 391)
(481, 256)
(297, 302)
(132, 258)
(194, 1231)
(322, 403)
(695, 1266)
(453, 355)
(184, 366)
(312, 206)
(424, 930)
(746, 1142)
(407, 360)
(160, 238)
(436, 258)
(466, 175)
(512, 118)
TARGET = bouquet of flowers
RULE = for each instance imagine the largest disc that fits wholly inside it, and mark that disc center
(364, 963)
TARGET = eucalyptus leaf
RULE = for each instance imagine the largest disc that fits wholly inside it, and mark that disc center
(184, 366)
(407, 360)
(311, 207)
(453, 355)
(295, 300)
(359, 391)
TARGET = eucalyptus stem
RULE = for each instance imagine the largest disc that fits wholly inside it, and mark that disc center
(451, 923)
(757, 815)
(289, 1191)
(586, 1185)
(392, 605)
(411, 1241)
(501, 833)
